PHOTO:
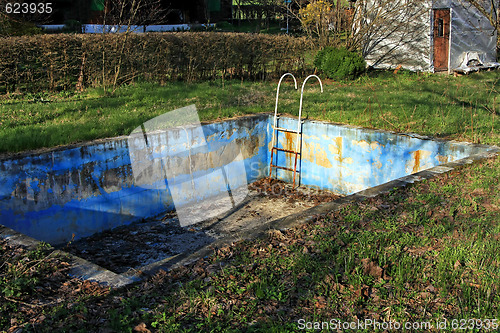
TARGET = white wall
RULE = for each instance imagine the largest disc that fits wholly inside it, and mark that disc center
(411, 44)
(402, 39)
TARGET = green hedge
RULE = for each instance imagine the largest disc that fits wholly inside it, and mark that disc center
(56, 62)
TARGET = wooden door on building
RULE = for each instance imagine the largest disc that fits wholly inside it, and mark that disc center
(441, 39)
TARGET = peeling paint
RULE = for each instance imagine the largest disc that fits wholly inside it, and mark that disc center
(367, 146)
(366, 157)
(339, 140)
(442, 159)
(314, 153)
(377, 164)
(334, 150)
(307, 137)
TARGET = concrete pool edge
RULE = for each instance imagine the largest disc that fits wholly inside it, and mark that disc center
(86, 270)
(80, 268)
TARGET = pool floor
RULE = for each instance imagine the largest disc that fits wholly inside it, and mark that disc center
(128, 249)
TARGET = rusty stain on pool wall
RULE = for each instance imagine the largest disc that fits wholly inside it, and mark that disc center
(419, 161)
(336, 151)
(289, 144)
(416, 158)
(315, 153)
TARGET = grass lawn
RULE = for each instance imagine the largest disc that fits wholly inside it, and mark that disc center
(464, 108)
(421, 255)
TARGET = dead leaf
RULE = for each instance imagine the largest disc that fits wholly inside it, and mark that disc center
(371, 268)
(212, 268)
(141, 328)
(276, 234)
(478, 191)
(430, 288)
(425, 295)
(320, 302)
(397, 69)
(491, 207)
(363, 291)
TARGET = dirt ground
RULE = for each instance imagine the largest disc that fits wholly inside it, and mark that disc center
(128, 248)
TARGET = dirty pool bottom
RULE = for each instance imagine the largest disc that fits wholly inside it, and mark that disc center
(128, 248)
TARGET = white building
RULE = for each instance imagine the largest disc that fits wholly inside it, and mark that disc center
(427, 35)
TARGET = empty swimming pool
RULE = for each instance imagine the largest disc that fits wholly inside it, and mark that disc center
(68, 193)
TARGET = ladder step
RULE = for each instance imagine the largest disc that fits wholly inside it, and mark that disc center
(280, 167)
(286, 130)
(287, 150)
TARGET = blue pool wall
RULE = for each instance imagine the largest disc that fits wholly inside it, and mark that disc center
(75, 191)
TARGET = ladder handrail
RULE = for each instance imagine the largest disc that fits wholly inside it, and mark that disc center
(298, 132)
(274, 128)
(278, 93)
(300, 106)
(276, 107)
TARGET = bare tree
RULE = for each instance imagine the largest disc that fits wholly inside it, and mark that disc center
(258, 10)
(489, 8)
(327, 20)
(385, 29)
(127, 16)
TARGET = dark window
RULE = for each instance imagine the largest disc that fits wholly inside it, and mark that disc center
(440, 26)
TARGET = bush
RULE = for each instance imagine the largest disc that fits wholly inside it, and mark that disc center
(339, 63)
(18, 28)
(73, 26)
(224, 25)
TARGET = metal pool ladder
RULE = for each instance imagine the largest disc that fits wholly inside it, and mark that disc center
(298, 132)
